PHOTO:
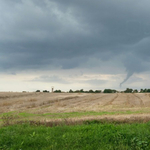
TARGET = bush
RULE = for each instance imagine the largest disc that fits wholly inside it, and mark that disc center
(57, 91)
(37, 90)
(109, 91)
(45, 91)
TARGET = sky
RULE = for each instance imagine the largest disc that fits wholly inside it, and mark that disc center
(74, 44)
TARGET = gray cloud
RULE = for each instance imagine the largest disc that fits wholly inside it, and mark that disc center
(96, 82)
(65, 34)
(50, 79)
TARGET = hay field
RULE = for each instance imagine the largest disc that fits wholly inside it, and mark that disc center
(73, 102)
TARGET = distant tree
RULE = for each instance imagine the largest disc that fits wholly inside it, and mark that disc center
(37, 90)
(141, 91)
(77, 91)
(70, 91)
(114, 91)
(81, 91)
(91, 91)
(98, 91)
(135, 91)
(109, 91)
(45, 91)
(145, 90)
(57, 91)
(128, 90)
(148, 90)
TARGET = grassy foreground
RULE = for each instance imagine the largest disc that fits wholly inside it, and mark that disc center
(91, 135)
(42, 116)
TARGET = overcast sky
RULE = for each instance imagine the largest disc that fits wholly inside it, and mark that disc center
(74, 44)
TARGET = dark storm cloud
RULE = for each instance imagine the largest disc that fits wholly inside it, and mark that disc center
(36, 34)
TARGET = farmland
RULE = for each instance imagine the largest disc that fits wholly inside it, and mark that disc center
(75, 121)
(77, 105)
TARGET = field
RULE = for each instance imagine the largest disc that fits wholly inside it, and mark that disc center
(63, 121)
(48, 106)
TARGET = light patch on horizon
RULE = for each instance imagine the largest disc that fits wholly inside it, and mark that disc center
(24, 82)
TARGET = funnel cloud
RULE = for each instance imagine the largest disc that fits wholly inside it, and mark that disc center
(129, 74)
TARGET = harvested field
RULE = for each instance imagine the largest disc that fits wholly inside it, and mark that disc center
(42, 103)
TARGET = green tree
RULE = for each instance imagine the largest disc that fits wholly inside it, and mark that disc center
(70, 91)
(109, 91)
(128, 90)
(57, 91)
(37, 90)
(91, 91)
(81, 91)
(98, 91)
(141, 91)
(45, 91)
(148, 90)
(135, 91)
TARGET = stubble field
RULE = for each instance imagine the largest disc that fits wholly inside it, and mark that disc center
(118, 106)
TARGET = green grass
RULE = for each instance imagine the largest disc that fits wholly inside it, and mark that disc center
(23, 116)
(90, 136)
(26, 115)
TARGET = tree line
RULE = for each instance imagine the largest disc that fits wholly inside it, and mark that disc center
(128, 90)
